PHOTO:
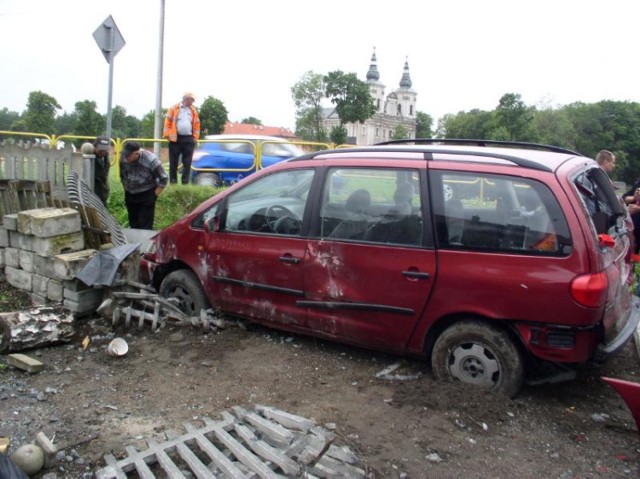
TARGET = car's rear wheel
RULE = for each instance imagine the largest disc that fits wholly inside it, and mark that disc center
(479, 354)
(185, 288)
(208, 179)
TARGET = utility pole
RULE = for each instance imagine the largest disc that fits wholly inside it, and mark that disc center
(159, 120)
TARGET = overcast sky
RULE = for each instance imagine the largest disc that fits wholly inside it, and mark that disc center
(462, 54)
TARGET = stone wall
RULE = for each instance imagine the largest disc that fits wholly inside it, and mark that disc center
(41, 251)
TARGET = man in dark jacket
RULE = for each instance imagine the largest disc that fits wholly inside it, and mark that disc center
(101, 148)
(143, 179)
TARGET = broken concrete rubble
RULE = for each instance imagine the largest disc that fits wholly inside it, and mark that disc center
(36, 327)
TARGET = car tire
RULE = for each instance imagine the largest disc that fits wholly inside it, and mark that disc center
(184, 286)
(208, 179)
(479, 354)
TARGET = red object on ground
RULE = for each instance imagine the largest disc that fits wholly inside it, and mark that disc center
(630, 392)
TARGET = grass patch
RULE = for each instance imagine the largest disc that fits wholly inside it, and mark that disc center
(12, 299)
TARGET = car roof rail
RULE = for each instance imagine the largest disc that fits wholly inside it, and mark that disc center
(474, 142)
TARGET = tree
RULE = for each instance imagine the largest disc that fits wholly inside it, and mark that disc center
(513, 119)
(88, 121)
(475, 124)
(399, 133)
(64, 124)
(424, 124)
(251, 121)
(7, 118)
(213, 116)
(41, 111)
(338, 135)
(147, 124)
(351, 97)
(123, 125)
(308, 94)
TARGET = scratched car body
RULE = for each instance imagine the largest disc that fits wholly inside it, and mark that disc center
(493, 261)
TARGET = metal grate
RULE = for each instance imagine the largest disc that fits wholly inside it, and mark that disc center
(97, 221)
(267, 443)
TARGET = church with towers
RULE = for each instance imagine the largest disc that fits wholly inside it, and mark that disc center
(398, 108)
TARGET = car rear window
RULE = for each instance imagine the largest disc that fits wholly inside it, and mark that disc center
(496, 213)
(600, 199)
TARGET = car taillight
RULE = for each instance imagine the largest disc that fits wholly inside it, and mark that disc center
(590, 290)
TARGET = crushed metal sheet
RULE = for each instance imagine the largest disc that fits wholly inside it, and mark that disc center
(266, 443)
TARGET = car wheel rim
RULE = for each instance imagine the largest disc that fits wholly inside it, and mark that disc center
(474, 364)
(184, 300)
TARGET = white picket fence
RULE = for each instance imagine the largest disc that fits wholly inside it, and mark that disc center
(29, 161)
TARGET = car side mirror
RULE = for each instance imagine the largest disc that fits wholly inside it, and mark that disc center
(212, 224)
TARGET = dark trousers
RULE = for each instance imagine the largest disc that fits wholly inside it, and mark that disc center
(141, 208)
(184, 146)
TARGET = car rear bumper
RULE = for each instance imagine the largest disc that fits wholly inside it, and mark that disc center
(616, 343)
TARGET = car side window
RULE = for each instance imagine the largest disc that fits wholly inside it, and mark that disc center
(206, 216)
(372, 204)
(495, 213)
(274, 204)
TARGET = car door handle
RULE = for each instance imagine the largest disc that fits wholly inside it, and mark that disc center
(289, 259)
(416, 274)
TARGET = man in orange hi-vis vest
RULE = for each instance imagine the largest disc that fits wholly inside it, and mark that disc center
(182, 129)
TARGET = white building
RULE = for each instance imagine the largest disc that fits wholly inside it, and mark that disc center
(398, 108)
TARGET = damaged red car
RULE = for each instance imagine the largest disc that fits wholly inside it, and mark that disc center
(499, 263)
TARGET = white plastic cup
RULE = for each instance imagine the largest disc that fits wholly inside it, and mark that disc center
(117, 347)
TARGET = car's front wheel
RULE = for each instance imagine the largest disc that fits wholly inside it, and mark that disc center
(479, 354)
(184, 286)
(208, 179)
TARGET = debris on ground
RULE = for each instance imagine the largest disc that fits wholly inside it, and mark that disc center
(35, 327)
(266, 442)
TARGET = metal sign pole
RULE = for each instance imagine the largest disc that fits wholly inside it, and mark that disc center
(110, 41)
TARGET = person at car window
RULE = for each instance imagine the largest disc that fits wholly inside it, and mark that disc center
(606, 160)
(101, 148)
(182, 129)
(632, 200)
(143, 179)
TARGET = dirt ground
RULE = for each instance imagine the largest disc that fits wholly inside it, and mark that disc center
(92, 404)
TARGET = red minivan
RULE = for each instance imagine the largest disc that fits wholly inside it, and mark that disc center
(498, 262)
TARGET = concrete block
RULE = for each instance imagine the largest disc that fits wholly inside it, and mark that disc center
(44, 266)
(10, 221)
(21, 241)
(79, 309)
(49, 222)
(4, 237)
(66, 266)
(39, 284)
(55, 245)
(18, 278)
(2, 263)
(75, 285)
(12, 257)
(38, 299)
(55, 290)
(26, 260)
(87, 296)
(24, 362)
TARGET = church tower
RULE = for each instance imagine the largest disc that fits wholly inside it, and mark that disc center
(376, 88)
(406, 106)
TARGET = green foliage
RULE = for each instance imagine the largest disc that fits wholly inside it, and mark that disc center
(307, 95)
(338, 135)
(399, 133)
(41, 112)
(351, 97)
(173, 204)
(213, 116)
(424, 125)
(123, 125)
(64, 123)
(8, 118)
(147, 124)
(251, 121)
(513, 119)
(88, 121)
